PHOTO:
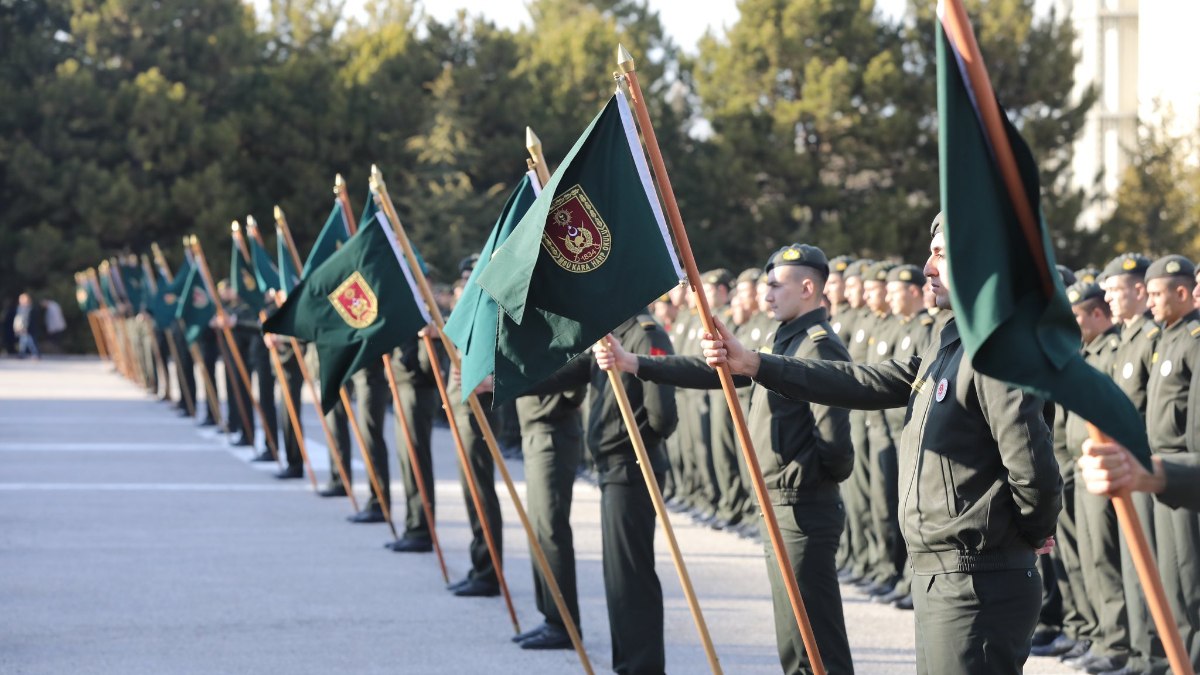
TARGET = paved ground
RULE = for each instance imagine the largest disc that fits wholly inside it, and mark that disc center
(133, 542)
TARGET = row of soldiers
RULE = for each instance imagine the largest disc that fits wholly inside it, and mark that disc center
(876, 311)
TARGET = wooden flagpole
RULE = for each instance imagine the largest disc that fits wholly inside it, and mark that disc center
(628, 72)
(282, 229)
(473, 487)
(368, 462)
(959, 31)
(293, 413)
(101, 349)
(105, 318)
(159, 362)
(379, 188)
(426, 496)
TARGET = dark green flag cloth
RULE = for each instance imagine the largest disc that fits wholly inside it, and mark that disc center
(355, 307)
(242, 278)
(106, 290)
(288, 276)
(133, 284)
(194, 307)
(472, 325)
(85, 296)
(335, 233)
(591, 252)
(164, 303)
(1011, 330)
(264, 268)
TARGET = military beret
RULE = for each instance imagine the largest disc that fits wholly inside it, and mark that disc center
(468, 263)
(1068, 277)
(717, 277)
(878, 271)
(800, 254)
(1087, 275)
(907, 273)
(1082, 291)
(857, 268)
(936, 225)
(1126, 263)
(1171, 266)
(751, 275)
(839, 264)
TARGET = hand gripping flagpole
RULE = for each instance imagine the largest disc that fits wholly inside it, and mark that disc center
(538, 164)
(959, 31)
(245, 375)
(539, 555)
(282, 229)
(627, 66)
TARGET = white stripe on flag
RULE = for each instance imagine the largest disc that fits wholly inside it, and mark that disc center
(537, 184)
(408, 276)
(639, 160)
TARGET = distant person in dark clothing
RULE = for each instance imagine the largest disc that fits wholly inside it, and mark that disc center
(26, 326)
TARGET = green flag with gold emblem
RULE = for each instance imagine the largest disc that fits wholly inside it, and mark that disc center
(591, 251)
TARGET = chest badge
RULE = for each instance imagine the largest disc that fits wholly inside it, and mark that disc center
(837, 327)
(1165, 369)
(940, 393)
(881, 348)
(858, 337)
(754, 334)
(1127, 371)
(906, 343)
(691, 335)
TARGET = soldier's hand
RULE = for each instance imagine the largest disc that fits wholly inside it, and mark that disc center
(270, 340)
(487, 386)
(724, 349)
(1047, 546)
(455, 377)
(1108, 468)
(610, 355)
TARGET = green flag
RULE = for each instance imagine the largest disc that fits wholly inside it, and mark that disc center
(355, 307)
(265, 272)
(106, 290)
(242, 278)
(335, 233)
(194, 307)
(288, 277)
(85, 296)
(163, 305)
(133, 284)
(592, 251)
(1010, 328)
(472, 324)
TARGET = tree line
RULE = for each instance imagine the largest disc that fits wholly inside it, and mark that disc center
(125, 123)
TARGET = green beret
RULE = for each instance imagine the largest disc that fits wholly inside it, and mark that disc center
(1082, 291)
(1126, 263)
(936, 225)
(1087, 275)
(857, 268)
(908, 274)
(839, 264)
(1068, 277)
(751, 275)
(1171, 266)
(800, 254)
(717, 277)
(878, 271)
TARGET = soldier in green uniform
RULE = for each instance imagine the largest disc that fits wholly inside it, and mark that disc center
(238, 319)
(288, 360)
(1096, 521)
(675, 489)
(412, 368)
(631, 587)
(1172, 414)
(911, 334)
(370, 390)
(723, 456)
(859, 539)
(883, 571)
(755, 327)
(552, 444)
(804, 452)
(693, 417)
(980, 487)
(1124, 283)
(835, 293)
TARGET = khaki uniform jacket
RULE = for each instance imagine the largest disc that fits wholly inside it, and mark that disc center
(1172, 414)
(979, 487)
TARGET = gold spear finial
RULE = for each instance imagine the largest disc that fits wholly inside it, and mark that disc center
(377, 183)
(625, 60)
(278, 213)
(532, 142)
(251, 224)
(235, 227)
(338, 184)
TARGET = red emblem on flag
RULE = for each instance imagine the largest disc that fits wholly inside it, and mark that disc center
(355, 301)
(576, 237)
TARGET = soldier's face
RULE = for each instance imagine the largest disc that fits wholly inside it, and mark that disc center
(1125, 295)
(834, 289)
(1169, 300)
(745, 297)
(853, 291)
(717, 295)
(1091, 322)
(1196, 293)
(790, 293)
(902, 298)
(935, 271)
(875, 294)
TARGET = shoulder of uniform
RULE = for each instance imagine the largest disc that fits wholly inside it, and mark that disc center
(1151, 331)
(1193, 328)
(926, 320)
(1114, 342)
(818, 332)
(647, 322)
